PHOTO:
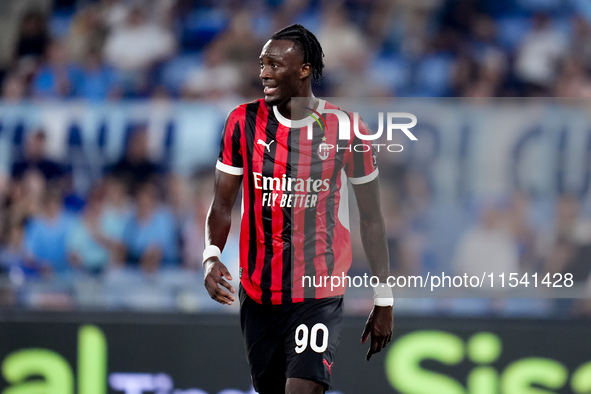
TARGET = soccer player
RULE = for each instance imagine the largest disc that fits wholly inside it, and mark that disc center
(294, 224)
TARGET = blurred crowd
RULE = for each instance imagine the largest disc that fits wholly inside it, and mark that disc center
(118, 49)
(141, 217)
(141, 226)
(518, 232)
(137, 219)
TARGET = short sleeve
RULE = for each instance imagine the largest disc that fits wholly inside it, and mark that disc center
(230, 158)
(360, 161)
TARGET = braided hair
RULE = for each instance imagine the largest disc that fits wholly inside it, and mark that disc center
(308, 45)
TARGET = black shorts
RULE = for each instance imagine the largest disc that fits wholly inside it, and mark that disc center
(296, 340)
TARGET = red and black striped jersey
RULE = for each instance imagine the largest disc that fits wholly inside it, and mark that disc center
(295, 220)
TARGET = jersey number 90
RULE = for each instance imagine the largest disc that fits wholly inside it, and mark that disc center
(301, 338)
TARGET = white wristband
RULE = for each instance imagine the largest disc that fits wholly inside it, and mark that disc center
(211, 251)
(382, 295)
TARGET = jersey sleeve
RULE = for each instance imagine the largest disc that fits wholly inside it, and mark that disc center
(360, 162)
(230, 157)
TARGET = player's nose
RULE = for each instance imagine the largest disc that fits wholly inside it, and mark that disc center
(265, 72)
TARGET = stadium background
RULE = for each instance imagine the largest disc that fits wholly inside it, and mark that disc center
(110, 119)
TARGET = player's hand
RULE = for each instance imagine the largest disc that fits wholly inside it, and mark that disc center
(379, 325)
(215, 272)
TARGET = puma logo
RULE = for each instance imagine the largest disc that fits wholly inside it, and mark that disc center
(328, 365)
(268, 146)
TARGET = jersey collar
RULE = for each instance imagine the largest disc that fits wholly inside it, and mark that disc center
(305, 122)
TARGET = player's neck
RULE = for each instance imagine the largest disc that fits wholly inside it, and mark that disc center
(311, 102)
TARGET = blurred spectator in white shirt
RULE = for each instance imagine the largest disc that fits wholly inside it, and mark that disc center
(215, 79)
(138, 44)
(539, 54)
(347, 57)
(114, 13)
(135, 48)
(341, 41)
(488, 247)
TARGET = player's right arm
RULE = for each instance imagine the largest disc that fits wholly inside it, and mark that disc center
(217, 228)
(228, 177)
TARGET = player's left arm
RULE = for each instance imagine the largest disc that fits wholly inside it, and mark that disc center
(380, 323)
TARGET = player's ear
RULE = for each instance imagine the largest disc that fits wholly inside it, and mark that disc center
(305, 70)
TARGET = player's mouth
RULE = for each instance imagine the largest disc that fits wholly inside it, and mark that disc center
(269, 89)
